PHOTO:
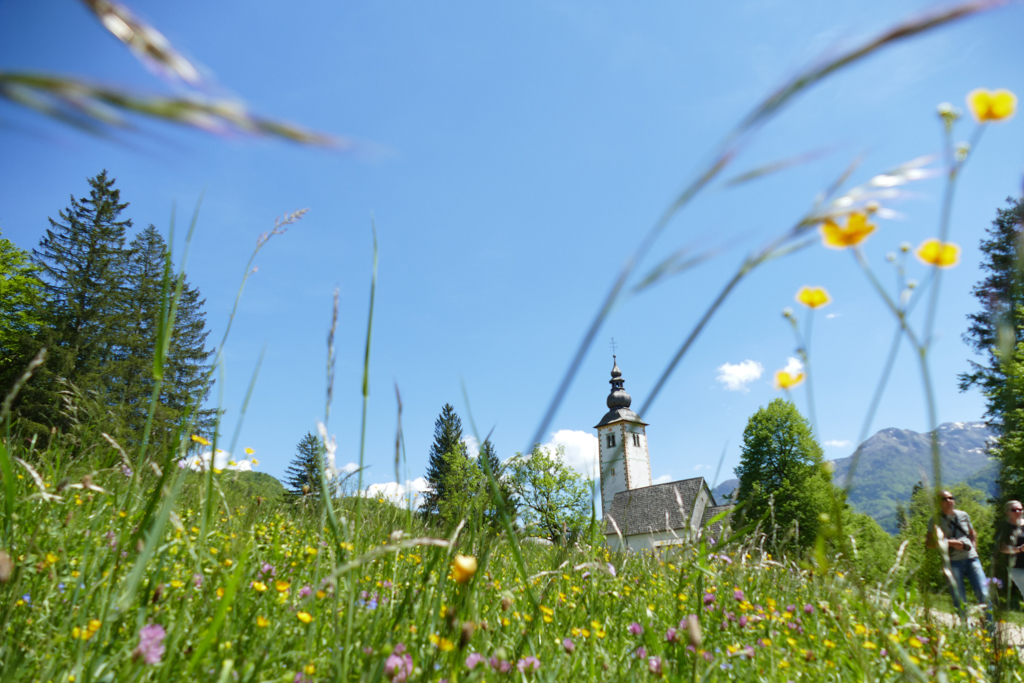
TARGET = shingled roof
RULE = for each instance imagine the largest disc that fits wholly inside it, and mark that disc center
(714, 530)
(654, 508)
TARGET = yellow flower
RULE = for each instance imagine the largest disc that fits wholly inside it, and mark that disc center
(463, 568)
(304, 617)
(321, 594)
(991, 105)
(938, 254)
(51, 558)
(309, 669)
(262, 622)
(249, 451)
(259, 586)
(176, 584)
(255, 462)
(220, 592)
(856, 231)
(786, 380)
(868, 645)
(914, 642)
(200, 440)
(281, 586)
(813, 297)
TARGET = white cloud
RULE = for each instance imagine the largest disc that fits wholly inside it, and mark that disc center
(830, 316)
(697, 468)
(349, 468)
(737, 376)
(836, 443)
(794, 366)
(223, 461)
(472, 446)
(580, 450)
(663, 479)
(398, 493)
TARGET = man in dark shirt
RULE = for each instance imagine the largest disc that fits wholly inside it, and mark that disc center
(1009, 544)
(963, 551)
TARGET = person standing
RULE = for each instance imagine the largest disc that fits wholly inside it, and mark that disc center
(1009, 545)
(963, 551)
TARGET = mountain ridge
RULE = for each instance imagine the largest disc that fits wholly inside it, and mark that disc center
(893, 460)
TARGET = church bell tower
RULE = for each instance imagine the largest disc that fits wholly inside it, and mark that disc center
(622, 444)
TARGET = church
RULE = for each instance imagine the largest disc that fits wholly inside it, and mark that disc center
(645, 516)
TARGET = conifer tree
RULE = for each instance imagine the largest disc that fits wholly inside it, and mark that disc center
(996, 333)
(447, 440)
(303, 474)
(1001, 295)
(186, 381)
(81, 262)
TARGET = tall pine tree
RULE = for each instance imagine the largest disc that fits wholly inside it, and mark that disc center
(81, 262)
(1001, 295)
(303, 474)
(996, 332)
(447, 440)
(186, 382)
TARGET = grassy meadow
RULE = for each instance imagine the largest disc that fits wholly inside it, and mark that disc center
(117, 575)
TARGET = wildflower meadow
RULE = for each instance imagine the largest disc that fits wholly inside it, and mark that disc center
(131, 561)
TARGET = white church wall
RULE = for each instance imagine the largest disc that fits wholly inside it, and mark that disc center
(613, 470)
(637, 458)
(650, 541)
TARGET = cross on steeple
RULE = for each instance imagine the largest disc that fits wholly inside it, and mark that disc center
(613, 347)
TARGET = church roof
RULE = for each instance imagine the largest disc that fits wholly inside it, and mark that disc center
(714, 530)
(654, 508)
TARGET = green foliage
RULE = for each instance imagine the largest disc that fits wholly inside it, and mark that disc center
(874, 551)
(98, 313)
(447, 439)
(20, 294)
(1001, 296)
(996, 332)
(186, 373)
(926, 565)
(302, 477)
(76, 556)
(465, 489)
(551, 497)
(781, 475)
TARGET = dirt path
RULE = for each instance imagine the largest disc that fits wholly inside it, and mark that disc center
(1013, 635)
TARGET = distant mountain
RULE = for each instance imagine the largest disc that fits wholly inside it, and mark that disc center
(893, 460)
(724, 490)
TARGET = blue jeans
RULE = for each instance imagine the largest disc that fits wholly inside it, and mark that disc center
(972, 571)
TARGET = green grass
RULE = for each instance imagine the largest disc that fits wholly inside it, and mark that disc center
(71, 611)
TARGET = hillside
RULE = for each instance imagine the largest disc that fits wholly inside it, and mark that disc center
(893, 460)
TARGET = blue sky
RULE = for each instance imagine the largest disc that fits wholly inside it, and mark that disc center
(512, 156)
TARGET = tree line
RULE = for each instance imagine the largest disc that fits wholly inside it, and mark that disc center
(97, 300)
(539, 492)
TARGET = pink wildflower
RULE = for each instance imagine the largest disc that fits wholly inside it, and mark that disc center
(151, 644)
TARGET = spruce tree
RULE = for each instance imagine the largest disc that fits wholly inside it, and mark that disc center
(447, 440)
(81, 261)
(303, 474)
(1001, 295)
(186, 381)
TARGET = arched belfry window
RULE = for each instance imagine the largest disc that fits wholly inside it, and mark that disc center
(636, 439)
(611, 440)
